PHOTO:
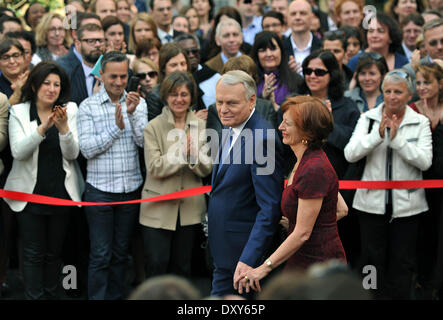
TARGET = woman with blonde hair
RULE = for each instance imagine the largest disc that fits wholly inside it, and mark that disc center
(147, 70)
(52, 39)
(141, 27)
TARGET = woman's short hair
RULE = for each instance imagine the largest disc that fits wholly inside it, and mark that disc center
(399, 76)
(243, 63)
(7, 44)
(41, 32)
(429, 70)
(339, 4)
(110, 21)
(140, 17)
(167, 52)
(234, 77)
(38, 75)
(393, 29)
(144, 60)
(336, 81)
(177, 79)
(146, 45)
(368, 61)
(311, 117)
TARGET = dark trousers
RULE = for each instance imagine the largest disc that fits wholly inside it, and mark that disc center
(110, 230)
(391, 248)
(8, 238)
(168, 251)
(43, 237)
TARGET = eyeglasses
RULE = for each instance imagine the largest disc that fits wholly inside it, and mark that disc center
(435, 42)
(372, 55)
(93, 41)
(15, 56)
(151, 74)
(317, 72)
(247, 1)
(192, 51)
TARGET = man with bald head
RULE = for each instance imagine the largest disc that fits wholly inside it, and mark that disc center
(301, 42)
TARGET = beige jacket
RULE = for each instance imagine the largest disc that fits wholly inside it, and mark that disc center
(4, 106)
(25, 141)
(165, 174)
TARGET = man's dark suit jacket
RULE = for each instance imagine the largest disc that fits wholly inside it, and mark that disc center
(244, 206)
(316, 44)
(73, 67)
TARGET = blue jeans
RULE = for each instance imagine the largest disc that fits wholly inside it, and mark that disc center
(110, 230)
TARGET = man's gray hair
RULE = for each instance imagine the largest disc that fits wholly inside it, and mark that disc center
(398, 76)
(228, 22)
(234, 77)
(113, 56)
(431, 25)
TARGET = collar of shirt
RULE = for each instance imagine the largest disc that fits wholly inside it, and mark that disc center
(237, 130)
(408, 52)
(225, 58)
(77, 54)
(162, 34)
(308, 47)
(86, 69)
(103, 96)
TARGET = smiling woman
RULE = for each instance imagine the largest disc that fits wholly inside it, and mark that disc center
(169, 226)
(44, 142)
(52, 39)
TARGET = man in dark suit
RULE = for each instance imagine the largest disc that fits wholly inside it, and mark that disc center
(90, 43)
(244, 204)
(161, 11)
(301, 42)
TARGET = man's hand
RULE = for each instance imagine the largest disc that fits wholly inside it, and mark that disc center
(132, 101)
(202, 114)
(239, 281)
(119, 117)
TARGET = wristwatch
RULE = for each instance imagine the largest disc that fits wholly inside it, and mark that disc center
(268, 263)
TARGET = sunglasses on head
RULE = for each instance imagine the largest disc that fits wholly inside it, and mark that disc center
(372, 55)
(317, 72)
(402, 74)
(151, 74)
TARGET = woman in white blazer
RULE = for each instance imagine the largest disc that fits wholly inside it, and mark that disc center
(399, 147)
(44, 145)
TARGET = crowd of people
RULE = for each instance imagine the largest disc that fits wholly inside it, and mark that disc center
(120, 100)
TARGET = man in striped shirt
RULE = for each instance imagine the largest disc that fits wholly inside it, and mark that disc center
(110, 126)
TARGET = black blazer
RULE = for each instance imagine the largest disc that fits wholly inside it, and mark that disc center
(316, 44)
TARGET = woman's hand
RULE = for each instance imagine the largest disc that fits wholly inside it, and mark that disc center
(202, 114)
(383, 125)
(269, 85)
(254, 276)
(46, 124)
(353, 82)
(415, 58)
(60, 119)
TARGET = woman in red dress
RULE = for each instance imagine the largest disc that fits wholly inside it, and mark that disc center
(311, 201)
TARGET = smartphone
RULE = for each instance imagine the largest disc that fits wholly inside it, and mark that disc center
(133, 84)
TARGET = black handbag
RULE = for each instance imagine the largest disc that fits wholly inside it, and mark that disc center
(354, 172)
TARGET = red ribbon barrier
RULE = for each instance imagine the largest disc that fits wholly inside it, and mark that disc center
(343, 184)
